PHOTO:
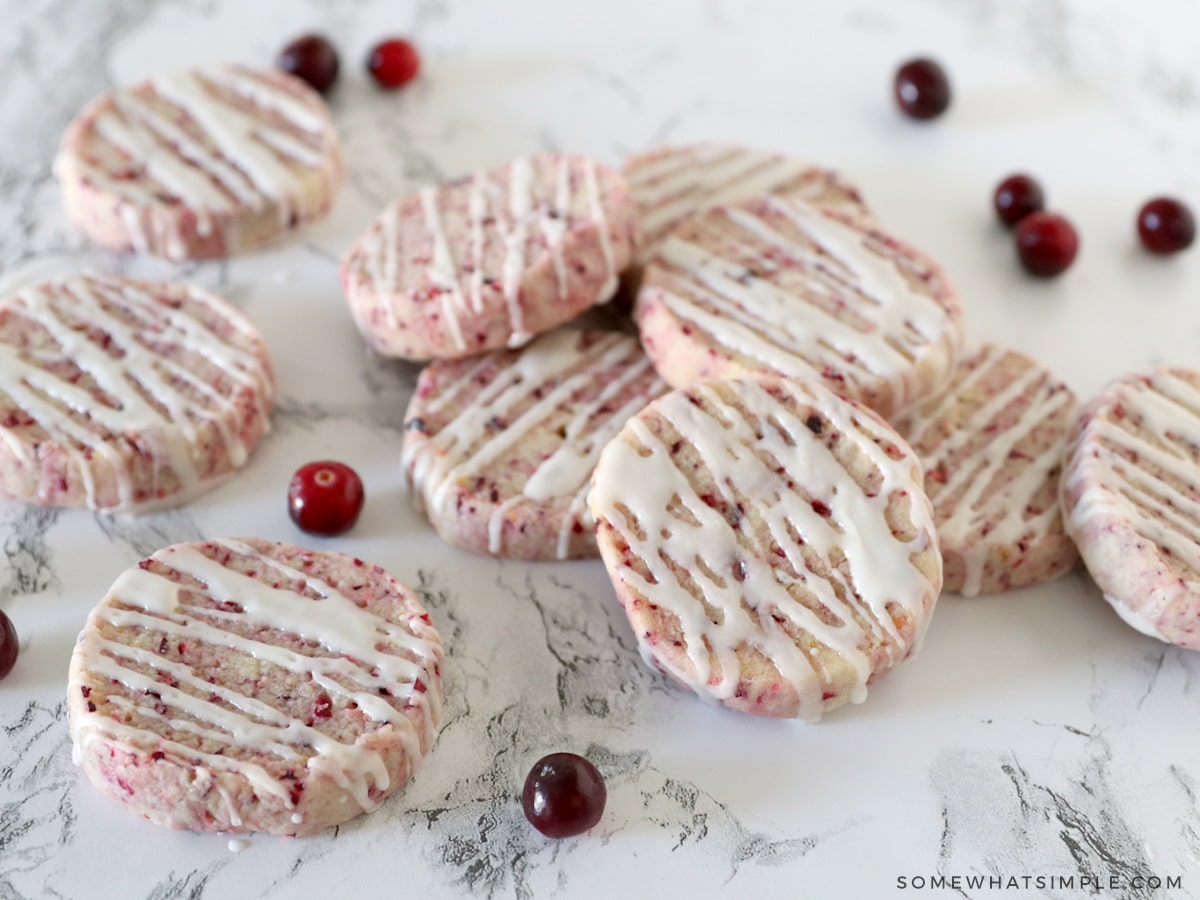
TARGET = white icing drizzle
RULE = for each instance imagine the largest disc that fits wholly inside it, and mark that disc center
(558, 368)
(791, 334)
(356, 670)
(239, 160)
(989, 514)
(86, 427)
(637, 481)
(531, 203)
(1109, 469)
(671, 185)
(443, 271)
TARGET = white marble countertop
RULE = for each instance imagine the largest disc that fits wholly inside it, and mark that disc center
(1035, 736)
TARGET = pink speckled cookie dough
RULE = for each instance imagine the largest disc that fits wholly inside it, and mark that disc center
(490, 259)
(1131, 499)
(499, 450)
(199, 164)
(672, 183)
(992, 447)
(126, 395)
(776, 286)
(770, 543)
(243, 685)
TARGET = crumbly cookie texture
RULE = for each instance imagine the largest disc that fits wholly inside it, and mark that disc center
(491, 259)
(125, 395)
(776, 286)
(1131, 499)
(770, 543)
(992, 447)
(199, 164)
(243, 685)
(499, 449)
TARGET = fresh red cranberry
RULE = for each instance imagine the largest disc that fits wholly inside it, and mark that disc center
(922, 88)
(313, 59)
(393, 63)
(325, 497)
(1046, 243)
(8, 644)
(564, 795)
(1165, 226)
(1016, 197)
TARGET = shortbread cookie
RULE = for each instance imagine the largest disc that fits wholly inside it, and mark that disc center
(243, 685)
(202, 163)
(499, 450)
(992, 447)
(125, 395)
(779, 287)
(770, 543)
(490, 259)
(672, 183)
(1131, 498)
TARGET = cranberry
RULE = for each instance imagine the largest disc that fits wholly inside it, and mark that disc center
(313, 59)
(325, 497)
(564, 795)
(1166, 226)
(1046, 243)
(8, 644)
(922, 89)
(1016, 197)
(393, 63)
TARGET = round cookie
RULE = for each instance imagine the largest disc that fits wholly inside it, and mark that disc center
(776, 286)
(243, 685)
(992, 448)
(672, 183)
(125, 395)
(491, 259)
(199, 164)
(1131, 500)
(770, 543)
(499, 450)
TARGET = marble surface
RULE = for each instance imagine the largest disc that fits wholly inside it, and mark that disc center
(1035, 736)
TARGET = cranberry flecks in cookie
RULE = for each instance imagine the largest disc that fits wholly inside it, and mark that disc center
(499, 449)
(770, 543)
(1131, 499)
(491, 259)
(243, 685)
(776, 286)
(992, 447)
(199, 164)
(126, 395)
(672, 183)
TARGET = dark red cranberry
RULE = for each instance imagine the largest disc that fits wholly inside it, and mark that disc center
(1165, 226)
(1016, 197)
(393, 63)
(564, 795)
(325, 497)
(922, 89)
(1046, 243)
(313, 59)
(8, 644)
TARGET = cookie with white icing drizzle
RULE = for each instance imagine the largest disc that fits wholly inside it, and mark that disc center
(201, 163)
(244, 685)
(1131, 499)
(491, 259)
(992, 447)
(770, 543)
(499, 449)
(672, 183)
(776, 286)
(125, 395)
